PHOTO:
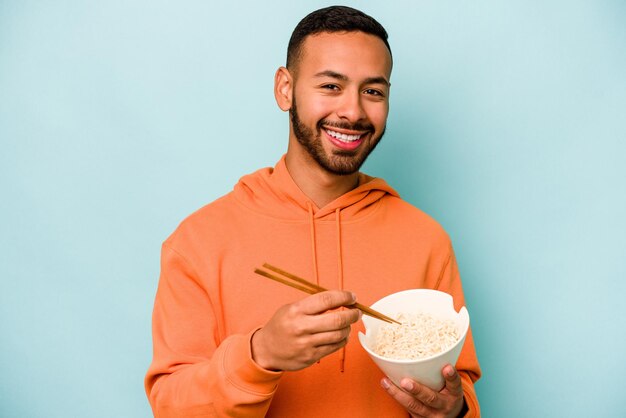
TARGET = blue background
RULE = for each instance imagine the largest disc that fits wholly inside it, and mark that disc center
(119, 118)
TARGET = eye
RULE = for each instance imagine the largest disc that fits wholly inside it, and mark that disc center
(333, 87)
(373, 92)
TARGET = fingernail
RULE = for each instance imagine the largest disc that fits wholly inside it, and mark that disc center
(385, 384)
(353, 296)
(407, 385)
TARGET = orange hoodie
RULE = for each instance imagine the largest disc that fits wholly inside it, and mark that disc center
(209, 300)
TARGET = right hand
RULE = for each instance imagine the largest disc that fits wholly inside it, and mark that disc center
(301, 333)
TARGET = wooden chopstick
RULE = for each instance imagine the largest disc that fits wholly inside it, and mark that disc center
(312, 288)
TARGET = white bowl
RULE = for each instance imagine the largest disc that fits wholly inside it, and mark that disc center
(427, 370)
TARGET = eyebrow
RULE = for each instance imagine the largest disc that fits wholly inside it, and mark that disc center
(343, 77)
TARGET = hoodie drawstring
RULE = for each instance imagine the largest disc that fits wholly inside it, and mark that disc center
(342, 359)
(313, 245)
(339, 255)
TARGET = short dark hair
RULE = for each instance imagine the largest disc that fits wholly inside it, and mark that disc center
(332, 19)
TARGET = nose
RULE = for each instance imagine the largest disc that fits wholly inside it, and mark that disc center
(351, 107)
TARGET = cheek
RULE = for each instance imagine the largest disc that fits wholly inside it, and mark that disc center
(314, 111)
(377, 115)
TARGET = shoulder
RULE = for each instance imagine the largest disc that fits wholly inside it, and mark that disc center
(203, 223)
(414, 220)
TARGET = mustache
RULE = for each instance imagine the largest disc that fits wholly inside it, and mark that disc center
(359, 126)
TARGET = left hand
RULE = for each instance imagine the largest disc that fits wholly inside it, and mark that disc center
(421, 401)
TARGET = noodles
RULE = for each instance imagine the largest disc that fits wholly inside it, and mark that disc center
(420, 336)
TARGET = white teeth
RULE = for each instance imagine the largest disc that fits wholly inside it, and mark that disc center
(343, 137)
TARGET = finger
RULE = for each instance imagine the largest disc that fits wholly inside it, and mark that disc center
(453, 380)
(425, 394)
(413, 405)
(326, 349)
(331, 328)
(325, 301)
(330, 337)
(315, 352)
(335, 320)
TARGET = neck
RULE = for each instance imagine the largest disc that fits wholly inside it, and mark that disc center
(318, 184)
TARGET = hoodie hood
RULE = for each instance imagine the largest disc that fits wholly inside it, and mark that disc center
(272, 192)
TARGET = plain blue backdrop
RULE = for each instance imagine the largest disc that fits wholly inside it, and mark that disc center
(119, 118)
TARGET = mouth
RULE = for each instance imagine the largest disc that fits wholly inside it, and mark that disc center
(345, 139)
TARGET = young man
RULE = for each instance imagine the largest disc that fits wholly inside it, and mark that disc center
(230, 343)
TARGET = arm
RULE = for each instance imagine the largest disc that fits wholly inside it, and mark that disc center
(194, 371)
(457, 398)
(449, 281)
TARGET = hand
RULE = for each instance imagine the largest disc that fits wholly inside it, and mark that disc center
(421, 401)
(301, 333)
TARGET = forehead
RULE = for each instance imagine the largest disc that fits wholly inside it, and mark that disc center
(350, 53)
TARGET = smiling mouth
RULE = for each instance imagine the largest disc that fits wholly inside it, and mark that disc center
(344, 137)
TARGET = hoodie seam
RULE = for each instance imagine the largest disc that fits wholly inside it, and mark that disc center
(235, 381)
(377, 205)
(443, 270)
(188, 263)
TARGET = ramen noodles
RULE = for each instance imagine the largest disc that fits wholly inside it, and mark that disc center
(420, 335)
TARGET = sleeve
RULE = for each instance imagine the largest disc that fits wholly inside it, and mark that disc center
(449, 281)
(193, 373)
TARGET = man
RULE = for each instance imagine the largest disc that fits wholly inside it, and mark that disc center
(230, 343)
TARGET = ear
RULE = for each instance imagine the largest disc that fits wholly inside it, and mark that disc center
(283, 88)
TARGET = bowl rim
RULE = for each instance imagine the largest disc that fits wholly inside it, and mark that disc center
(461, 312)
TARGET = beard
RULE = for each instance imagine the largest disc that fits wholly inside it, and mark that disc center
(338, 162)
